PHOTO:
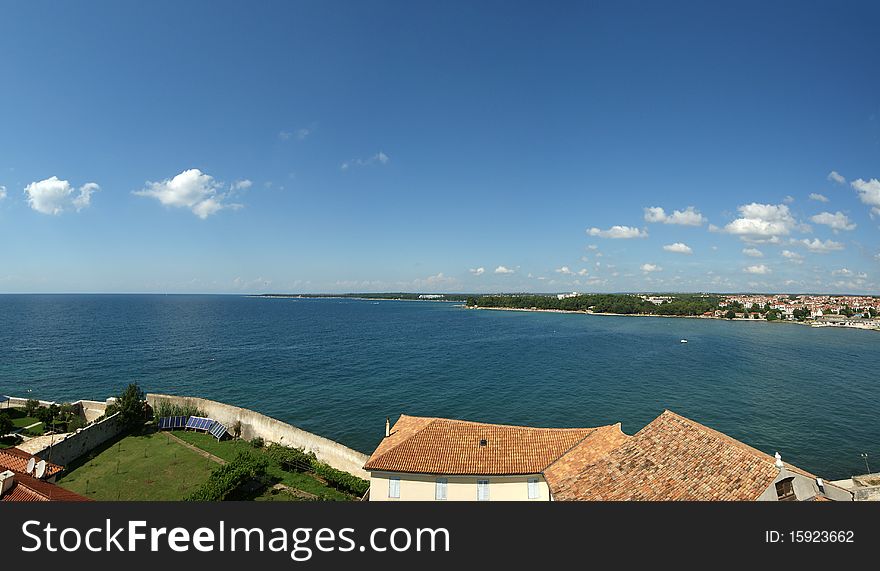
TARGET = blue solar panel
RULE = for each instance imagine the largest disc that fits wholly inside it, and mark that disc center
(217, 430)
(172, 422)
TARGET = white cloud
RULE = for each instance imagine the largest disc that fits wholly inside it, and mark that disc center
(583, 272)
(503, 270)
(648, 268)
(762, 222)
(53, 196)
(869, 193)
(818, 246)
(837, 221)
(478, 271)
(753, 252)
(2, 192)
(380, 158)
(818, 197)
(191, 189)
(564, 270)
(242, 184)
(284, 135)
(301, 134)
(842, 272)
(834, 176)
(759, 269)
(678, 248)
(687, 217)
(618, 232)
(788, 199)
(793, 256)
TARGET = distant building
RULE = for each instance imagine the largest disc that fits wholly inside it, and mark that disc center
(431, 296)
(672, 458)
(567, 295)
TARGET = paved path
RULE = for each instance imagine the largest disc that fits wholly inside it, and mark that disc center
(197, 450)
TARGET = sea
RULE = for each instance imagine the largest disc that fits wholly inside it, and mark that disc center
(339, 367)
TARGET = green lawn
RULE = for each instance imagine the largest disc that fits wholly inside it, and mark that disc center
(229, 449)
(20, 419)
(148, 467)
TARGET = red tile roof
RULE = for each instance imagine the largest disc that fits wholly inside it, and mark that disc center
(443, 446)
(29, 489)
(674, 458)
(16, 460)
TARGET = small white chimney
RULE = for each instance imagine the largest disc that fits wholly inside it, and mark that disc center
(779, 463)
(7, 480)
(387, 427)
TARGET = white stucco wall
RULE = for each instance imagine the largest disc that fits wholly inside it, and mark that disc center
(421, 487)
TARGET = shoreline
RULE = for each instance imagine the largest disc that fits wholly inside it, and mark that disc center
(568, 311)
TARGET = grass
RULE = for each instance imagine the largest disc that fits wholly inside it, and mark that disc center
(229, 449)
(20, 419)
(148, 467)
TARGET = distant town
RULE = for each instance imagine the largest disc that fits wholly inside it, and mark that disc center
(818, 310)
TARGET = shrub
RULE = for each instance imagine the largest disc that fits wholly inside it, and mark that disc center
(226, 479)
(5, 424)
(342, 481)
(290, 459)
(75, 424)
(257, 442)
(167, 409)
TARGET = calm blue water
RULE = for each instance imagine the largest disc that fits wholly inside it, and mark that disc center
(339, 367)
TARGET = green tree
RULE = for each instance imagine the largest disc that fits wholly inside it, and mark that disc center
(730, 314)
(31, 406)
(130, 406)
(5, 424)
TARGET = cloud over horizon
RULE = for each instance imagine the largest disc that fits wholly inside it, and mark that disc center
(194, 190)
(53, 196)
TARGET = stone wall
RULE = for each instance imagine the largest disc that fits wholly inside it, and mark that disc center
(81, 442)
(254, 424)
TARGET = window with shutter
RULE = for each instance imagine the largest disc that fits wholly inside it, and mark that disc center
(440, 489)
(483, 490)
(533, 488)
(394, 488)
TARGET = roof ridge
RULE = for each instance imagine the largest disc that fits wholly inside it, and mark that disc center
(578, 443)
(718, 434)
(432, 420)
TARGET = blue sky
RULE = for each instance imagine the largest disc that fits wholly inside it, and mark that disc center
(454, 146)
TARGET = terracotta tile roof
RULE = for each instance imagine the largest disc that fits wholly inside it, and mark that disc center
(29, 489)
(674, 458)
(443, 446)
(585, 453)
(16, 460)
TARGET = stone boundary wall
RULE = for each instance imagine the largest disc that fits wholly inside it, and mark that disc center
(89, 409)
(254, 424)
(81, 442)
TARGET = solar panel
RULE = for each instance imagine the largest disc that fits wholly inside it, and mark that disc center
(163, 422)
(218, 430)
(180, 421)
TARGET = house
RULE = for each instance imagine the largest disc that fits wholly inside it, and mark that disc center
(16, 460)
(672, 458)
(675, 458)
(423, 458)
(15, 487)
(18, 483)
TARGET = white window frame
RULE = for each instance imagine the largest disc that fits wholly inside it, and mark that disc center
(533, 491)
(483, 484)
(441, 485)
(394, 482)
